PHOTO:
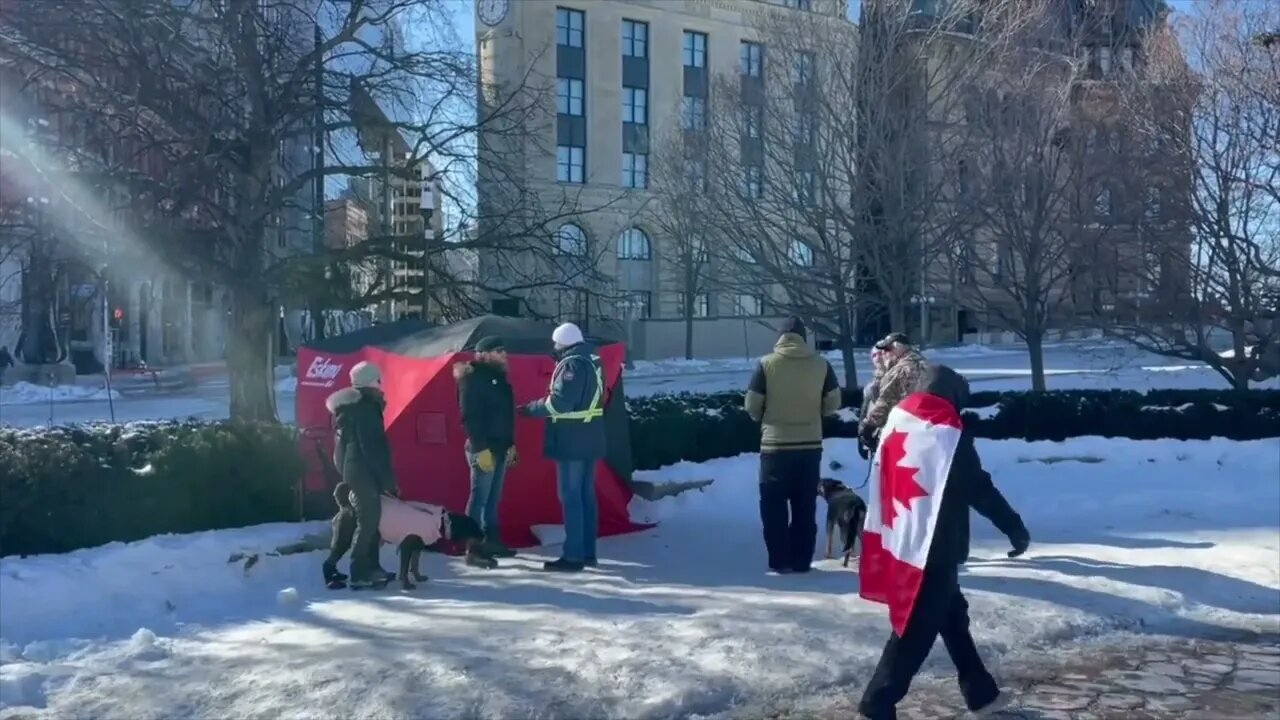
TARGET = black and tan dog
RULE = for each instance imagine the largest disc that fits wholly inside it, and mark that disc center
(461, 529)
(845, 511)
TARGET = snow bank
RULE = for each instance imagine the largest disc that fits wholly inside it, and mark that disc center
(1172, 536)
(287, 385)
(25, 393)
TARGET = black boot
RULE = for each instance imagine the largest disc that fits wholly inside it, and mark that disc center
(477, 556)
(562, 565)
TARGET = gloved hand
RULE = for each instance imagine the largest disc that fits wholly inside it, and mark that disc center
(513, 457)
(870, 437)
(863, 451)
(485, 461)
(1020, 543)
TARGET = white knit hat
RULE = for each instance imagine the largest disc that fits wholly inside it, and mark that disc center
(365, 374)
(567, 335)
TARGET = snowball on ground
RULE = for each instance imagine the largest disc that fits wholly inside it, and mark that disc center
(1175, 536)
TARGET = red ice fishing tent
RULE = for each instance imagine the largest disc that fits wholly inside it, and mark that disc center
(425, 426)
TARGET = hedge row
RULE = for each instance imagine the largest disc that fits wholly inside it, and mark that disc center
(668, 429)
(82, 486)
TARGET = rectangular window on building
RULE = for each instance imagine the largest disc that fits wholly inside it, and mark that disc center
(635, 106)
(693, 113)
(637, 305)
(701, 305)
(635, 39)
(745, 305)
(1104, 60)
(753, 182)
(698, 173)
(802, 73)
(804, 127)
(635, 170)
(805, 189)
(569, 27)
(570, 163)
(569, 99)
(800, 4)
(751, 59)
(752, 120)
(695, 49)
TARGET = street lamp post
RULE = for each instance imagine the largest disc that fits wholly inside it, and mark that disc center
(428, 208)
(631, 307)
(924, 301)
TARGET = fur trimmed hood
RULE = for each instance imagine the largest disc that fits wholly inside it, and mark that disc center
(349, 396)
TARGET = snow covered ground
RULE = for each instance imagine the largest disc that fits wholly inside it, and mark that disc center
(1166, 536)
(1076, 365)
(25, 393)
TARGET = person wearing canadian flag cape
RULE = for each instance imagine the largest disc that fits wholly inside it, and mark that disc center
(925, 475)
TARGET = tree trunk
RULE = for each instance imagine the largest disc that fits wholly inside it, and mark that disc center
(1035, 348)
(845, 342)
(249, 356)
(897, 316)
(688, 334)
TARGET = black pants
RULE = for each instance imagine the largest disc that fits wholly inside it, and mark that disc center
(940, 610)
(788, 506)
(344, 533)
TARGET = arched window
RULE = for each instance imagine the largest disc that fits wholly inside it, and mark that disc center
(571, 240)
(634, 245)
(800, 254)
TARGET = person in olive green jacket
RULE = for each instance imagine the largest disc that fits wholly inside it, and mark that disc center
(792, 389)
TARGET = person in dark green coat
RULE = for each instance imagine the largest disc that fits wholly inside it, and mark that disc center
(489, 420)
(362, 454)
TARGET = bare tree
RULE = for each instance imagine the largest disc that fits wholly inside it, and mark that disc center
(244, 109)
(1024, 188)
(1208, 95)
(679, 211)
(912, 76)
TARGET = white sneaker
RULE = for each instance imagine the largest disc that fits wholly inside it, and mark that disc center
(1000, 703)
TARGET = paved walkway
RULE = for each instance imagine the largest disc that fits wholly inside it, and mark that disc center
(1158, 680)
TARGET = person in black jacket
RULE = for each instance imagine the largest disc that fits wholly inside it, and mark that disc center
(362, 454)
(6, 361)
(489, 419)
(941, 608)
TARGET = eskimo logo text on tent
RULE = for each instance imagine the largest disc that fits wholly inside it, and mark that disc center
(322, 372)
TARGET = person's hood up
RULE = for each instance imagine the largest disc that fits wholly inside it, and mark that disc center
(349, 396)
(793, 346)
(947, 384)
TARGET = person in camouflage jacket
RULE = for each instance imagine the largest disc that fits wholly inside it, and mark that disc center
(907, 368)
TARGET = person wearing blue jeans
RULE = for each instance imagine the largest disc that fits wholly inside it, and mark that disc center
(487, 402)
(575, 440)
(576, 483)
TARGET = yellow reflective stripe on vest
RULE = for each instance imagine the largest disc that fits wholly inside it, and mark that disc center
(593, 410)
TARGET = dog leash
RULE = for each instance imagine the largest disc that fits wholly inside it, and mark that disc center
(867, 479)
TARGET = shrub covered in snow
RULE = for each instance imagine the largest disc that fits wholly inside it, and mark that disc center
(85, 485)
(669, 428)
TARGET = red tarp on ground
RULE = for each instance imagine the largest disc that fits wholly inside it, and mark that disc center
(425, 429)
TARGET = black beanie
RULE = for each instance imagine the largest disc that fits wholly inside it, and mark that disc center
(490, 344)
(795, 326)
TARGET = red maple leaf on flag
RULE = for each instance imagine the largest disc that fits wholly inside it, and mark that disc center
(897, 482)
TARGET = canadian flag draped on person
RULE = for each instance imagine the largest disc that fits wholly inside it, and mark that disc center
(909, 475)
(925, 477)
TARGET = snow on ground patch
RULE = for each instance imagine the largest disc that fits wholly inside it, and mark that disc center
(25, 393)
(678, 620)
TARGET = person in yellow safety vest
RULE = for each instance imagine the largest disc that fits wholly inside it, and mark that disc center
(574, 410)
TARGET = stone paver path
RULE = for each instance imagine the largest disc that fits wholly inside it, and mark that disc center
(1155, 680)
